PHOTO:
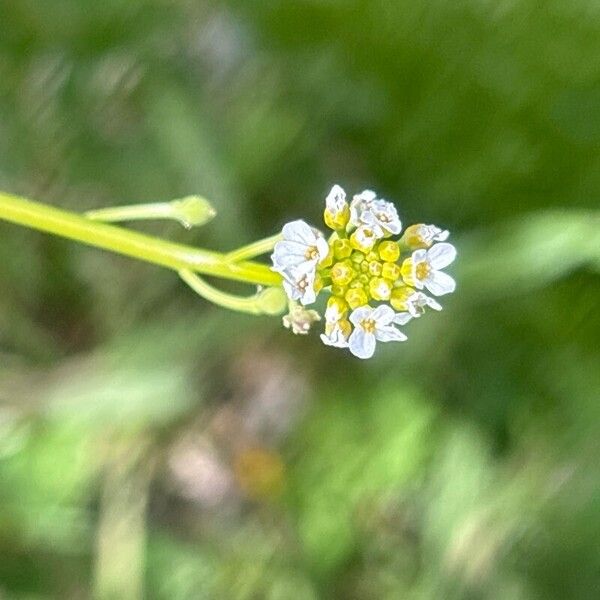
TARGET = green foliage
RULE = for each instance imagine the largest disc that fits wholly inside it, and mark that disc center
(216, 455)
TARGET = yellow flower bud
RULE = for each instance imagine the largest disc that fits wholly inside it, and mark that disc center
(328, 260)
(339, 304)
(406, 271)
(342, 249)
(389, 251)
(400, 296)
(412, 237)
(345, 326)
(380, 288)
(364, 279)
(372, 256)
(342, 273)
(391, 271)
(375, 268)
(337, 220)
(339, 290)
(318, 285)
(357, 257)
(356, 297)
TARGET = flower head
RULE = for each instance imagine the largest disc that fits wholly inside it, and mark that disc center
(374, 283)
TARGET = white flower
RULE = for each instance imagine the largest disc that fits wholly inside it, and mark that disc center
(333, 314)
(300, 320)
(365, 237)
(422, 269)
(337, 211)
(380, 215)
(416, 304)
(301, 245)
(432, 233)
(360, 203)
(336, 200)
(299, 283)
(372, 325)
(334, 336)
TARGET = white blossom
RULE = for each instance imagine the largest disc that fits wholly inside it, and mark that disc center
(365, 237)
(378, 214)
(300, 247)
(431, 233)
(299, 283)
(335, 202)
(360, 203)
(416, 304)
(334, 336)
(423, 269)
(370, 326)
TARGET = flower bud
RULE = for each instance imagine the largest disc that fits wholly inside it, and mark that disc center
(375, 268)
(399, 297)
(337, 211)
(342, 249)
(356, 297)
(389, 251)
(422, 236)
(391, 271)
(380, 289)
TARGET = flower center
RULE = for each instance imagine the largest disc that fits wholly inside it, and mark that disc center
(368, 325)
(422, 270)
(311, 253)
(383, 218)
(303, 283)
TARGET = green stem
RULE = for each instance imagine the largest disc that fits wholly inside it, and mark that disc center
(190, 211)
(269, 301)
(253, 250)
(131, 243)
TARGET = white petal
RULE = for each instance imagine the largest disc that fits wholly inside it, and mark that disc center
(441, 255)
(309, 296)
(361, 343)
(389, 334)
(383, 315)
(332, 314)
(439, 283)
(288, 254)
(299, 231)
(336, 338)
(291, 290)
(403, 318)
(336, 199)
(419, 256)
(322, 248)
(360, 314)
(433, 304)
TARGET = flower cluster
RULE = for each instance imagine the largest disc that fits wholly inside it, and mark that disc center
(375, 283)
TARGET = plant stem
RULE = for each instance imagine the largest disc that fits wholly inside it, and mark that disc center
(269, 301)
(130, 243)
(253, 250)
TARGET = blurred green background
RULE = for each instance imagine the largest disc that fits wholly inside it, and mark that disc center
(154, 446)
